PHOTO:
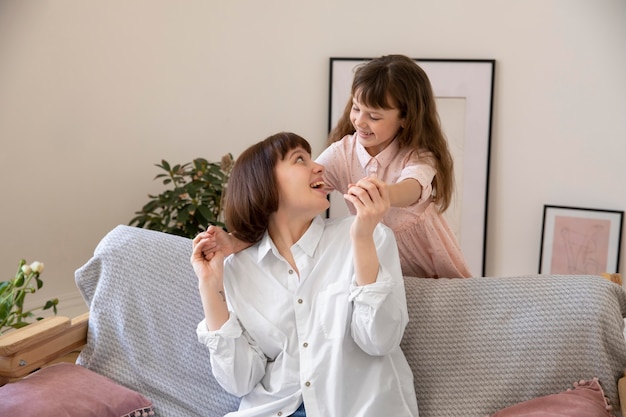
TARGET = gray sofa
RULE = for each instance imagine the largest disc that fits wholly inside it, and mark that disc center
(475, 345)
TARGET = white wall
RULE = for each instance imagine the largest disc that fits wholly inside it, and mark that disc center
(94, 93)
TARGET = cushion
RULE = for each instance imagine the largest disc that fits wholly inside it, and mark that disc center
(585, 400)
(68, 390)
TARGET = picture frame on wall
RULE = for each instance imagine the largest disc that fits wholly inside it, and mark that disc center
(463, 90)
(577, 241)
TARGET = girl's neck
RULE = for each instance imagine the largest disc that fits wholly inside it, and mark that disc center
(375, 150)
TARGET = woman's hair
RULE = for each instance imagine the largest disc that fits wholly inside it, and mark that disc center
(252, 192)
(397, 81)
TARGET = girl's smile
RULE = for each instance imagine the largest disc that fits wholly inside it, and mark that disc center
(375, 127)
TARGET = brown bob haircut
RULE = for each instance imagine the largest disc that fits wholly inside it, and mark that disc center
(252, 192)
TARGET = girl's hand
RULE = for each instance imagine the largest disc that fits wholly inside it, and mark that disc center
(221, 241)
(370, 197)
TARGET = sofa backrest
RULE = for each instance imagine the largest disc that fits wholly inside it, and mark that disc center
(480, 344)
(474, 345)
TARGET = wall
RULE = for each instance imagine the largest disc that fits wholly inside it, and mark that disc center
(93, 94)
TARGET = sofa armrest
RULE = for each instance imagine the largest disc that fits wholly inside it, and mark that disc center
(29, 348)
(621, 392)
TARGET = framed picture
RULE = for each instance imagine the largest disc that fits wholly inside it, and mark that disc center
(580, 240)
(464, 94)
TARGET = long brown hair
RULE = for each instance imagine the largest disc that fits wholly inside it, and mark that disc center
(252, 192)
(397, 81)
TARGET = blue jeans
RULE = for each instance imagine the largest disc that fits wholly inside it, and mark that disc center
(300, 412)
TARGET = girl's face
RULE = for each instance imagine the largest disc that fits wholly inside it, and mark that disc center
(300, 186)
(375, 127)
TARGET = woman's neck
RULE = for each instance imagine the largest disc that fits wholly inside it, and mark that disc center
(285, 231)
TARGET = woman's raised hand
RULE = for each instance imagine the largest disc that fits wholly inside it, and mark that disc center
(370, 197)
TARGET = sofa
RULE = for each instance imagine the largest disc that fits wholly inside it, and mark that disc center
(475, 345)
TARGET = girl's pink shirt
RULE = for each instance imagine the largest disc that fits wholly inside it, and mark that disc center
(427, 245)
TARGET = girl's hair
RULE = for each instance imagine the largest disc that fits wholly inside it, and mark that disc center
(397, 81)
(252, 192)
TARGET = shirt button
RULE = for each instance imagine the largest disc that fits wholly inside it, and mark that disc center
(305, 344)
(300, 301)
(280, 413)
(307, 383)
(290, 271)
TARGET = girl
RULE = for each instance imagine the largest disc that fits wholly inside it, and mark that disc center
(389, 135)
(309, 318)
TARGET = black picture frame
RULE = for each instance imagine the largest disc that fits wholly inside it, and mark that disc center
(577, 240)
(467, 86)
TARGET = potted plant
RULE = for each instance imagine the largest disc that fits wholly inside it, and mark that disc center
(193, 200)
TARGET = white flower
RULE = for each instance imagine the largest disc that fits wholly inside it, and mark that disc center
(26, 269)
(36, 266)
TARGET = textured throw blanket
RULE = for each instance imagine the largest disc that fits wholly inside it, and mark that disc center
(477, 345)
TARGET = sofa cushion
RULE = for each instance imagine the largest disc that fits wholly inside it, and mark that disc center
(586, 399)
(69, 390)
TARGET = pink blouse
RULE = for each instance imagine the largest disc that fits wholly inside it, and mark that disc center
(427, 245)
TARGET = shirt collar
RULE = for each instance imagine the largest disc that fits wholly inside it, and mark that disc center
(382, 160)
(308, 242)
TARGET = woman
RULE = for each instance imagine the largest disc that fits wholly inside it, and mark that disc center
(308, 319)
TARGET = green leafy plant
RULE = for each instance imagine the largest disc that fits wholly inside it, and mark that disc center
(193, 201)
(13, 293)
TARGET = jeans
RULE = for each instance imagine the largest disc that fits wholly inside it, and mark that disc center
(300, 412)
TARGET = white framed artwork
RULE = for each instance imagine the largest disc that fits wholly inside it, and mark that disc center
(464, 94)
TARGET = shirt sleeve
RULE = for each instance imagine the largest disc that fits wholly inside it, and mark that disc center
(421, 168)
(380, 313)
(331, 158)
(237, 363)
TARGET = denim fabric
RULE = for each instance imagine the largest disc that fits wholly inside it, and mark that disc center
(300, 412)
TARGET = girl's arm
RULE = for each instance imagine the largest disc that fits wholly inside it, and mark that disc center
(417, 175)
(404, 193)
(218, 240)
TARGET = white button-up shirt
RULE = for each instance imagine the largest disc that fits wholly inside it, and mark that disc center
(316, 337)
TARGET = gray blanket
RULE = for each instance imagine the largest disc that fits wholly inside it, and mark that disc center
(474, 345)
(480, 344)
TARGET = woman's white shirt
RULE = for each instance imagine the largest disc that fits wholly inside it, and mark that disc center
(315, 337)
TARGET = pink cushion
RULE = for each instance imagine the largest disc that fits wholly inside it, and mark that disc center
(586, 399)
(69, 390)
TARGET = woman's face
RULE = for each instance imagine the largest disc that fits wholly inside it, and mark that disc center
(300, 186)
(375, 127)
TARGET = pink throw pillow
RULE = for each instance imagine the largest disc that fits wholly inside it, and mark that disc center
(70, 390)
(586, 399)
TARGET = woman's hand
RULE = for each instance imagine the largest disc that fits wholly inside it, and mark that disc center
(370, 197)
(208, 265)
(207, 260)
